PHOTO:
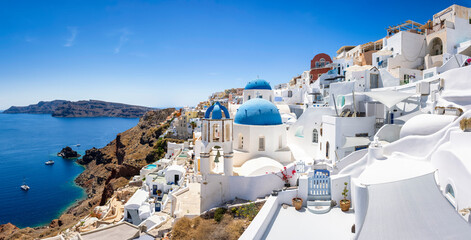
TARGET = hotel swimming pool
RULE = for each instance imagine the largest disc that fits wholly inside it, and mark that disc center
(150, 166)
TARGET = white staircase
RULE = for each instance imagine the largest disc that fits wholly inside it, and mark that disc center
(319, 206)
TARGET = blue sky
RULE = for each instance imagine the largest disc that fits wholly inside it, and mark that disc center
(175, 53)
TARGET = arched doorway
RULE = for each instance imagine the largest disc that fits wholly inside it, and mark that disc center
(436, 47)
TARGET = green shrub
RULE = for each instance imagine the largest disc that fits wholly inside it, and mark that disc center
(248, 211)
(219, 214)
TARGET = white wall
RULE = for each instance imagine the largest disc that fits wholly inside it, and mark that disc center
(263, 93)
(337, 128)
(251, 135)
(311, 119)
(217, 189)
(451, 159)
(259, 225)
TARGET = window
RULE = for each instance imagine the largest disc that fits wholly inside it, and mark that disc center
(322, 62)
(315, 136)
(427, 75)
(271, 100)
(360, 147)
(406, 78)
(299, 132)
(248, 98)
(228, 132)
(317, 64)
(216, 133)
(261, 144)
(290, 93)
(377, 59)
(449, 190)
(327, 148)
(241, 141)
(450, 195)
(361, 135)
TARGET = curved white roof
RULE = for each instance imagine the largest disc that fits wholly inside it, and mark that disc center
(144, 211)
(425, 124)
(395, 168)
(411, 209)
(259, 166)
(177, 168)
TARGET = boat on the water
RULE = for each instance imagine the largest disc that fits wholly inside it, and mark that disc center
(24, 187)
(78, 145)
(50, 162)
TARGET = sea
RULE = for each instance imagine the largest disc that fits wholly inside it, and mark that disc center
(27, 141)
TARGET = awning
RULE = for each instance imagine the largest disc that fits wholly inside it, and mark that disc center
(356, 141)
(383, 53)
(411, 209)
(389, 97)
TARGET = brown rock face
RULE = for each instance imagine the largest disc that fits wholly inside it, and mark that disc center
(7, 230)
(121, 158)
(120, 153)
(68, 153)
(55, 223)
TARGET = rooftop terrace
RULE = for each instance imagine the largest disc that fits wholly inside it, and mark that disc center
(291, 224)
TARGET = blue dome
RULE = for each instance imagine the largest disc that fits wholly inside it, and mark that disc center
(258, 111)
(215, 111)
(258, 84)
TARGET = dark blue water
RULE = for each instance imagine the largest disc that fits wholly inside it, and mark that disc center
(29, 140)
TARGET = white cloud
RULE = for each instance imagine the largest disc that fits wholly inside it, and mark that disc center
(73, 34)
(123, 39)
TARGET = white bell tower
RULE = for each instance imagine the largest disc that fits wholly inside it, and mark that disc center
(216, 137)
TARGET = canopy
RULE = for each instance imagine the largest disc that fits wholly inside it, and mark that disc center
(383, 53)
(356, 141)
(389, 97)
(411, 209)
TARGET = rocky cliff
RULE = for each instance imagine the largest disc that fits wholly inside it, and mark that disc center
(91, 108)
(106, 169)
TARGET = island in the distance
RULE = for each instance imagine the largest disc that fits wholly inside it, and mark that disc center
(90, 108)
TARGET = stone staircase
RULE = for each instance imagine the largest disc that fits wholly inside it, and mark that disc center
(319, 204)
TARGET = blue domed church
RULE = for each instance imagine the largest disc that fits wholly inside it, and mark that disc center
(260, 141)
(258, 88)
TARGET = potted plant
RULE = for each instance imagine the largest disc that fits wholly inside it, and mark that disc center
(297, 203)
(345, 203)
(285, 176)
(159, 192)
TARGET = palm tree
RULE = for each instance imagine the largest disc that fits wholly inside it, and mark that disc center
(193, 126)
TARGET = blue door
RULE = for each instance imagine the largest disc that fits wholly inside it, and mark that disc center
(319, 185)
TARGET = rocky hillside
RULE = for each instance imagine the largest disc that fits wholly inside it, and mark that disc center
(106, 169)
(91, 108)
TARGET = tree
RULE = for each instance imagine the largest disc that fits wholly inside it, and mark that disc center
(193, 126)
